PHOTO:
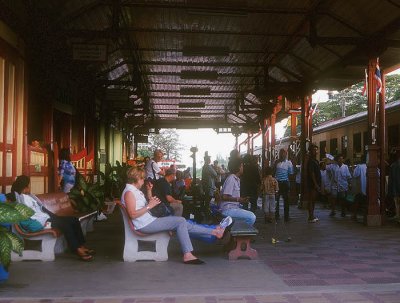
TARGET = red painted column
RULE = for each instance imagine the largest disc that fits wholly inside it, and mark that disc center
(382, 142)
(303, 148)
(309, 120)
(373, 218)
(293, 121)
(273, 152)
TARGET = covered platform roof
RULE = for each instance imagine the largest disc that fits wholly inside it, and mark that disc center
(205, 63)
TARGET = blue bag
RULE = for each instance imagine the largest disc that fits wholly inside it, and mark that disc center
(31, 225)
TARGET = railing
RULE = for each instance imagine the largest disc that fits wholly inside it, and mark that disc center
(84, 163)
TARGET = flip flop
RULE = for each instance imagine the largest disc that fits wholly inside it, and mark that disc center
(91, 252)
(194, 262)
(86, 258)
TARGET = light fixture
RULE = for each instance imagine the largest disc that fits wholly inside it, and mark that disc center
(192, 105)
(199, 75)
(189, 114)
(188, 91)
(205, 51)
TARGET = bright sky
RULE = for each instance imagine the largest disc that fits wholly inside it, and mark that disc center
(222, 144)
(206, 140)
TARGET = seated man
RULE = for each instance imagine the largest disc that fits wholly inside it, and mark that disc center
(163, 190)
(230, 199)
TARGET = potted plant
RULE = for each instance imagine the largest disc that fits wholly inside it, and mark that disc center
(87, 196)
(114, 180)
(11, 213)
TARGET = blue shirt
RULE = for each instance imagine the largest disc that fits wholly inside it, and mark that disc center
(342, 177)
(283, 170)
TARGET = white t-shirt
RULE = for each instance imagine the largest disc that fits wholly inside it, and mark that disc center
(141, 202)
(39, 215)
(361, 172)
(150, 166)
(231, 187)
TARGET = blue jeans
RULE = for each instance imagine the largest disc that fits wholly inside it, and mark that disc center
(182, 228)
(240, 214)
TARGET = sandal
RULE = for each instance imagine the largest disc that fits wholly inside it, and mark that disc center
(85, 257)
(89, 251)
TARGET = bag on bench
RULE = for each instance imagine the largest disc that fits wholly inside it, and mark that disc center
(31, 225)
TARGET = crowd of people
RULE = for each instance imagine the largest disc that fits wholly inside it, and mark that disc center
(154, 195)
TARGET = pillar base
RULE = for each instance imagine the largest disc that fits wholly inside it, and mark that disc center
(374, 220)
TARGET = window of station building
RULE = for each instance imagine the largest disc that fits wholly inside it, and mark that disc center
(393, 135)
(357, 146)
(333, 146)
(344, 146)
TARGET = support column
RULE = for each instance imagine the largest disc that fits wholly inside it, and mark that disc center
(268, 143)
(272, 129)
(293, 121)
(374, 217)
(304, 137)
(382, 142)
(248, 142)
(264, 127)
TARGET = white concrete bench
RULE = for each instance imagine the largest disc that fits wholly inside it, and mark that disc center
(51, 240)
(132, 251)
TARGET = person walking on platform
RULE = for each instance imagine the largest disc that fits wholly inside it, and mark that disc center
(314, 182)
(282, 169)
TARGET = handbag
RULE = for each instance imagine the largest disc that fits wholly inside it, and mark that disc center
(31, 225)
(162, 210)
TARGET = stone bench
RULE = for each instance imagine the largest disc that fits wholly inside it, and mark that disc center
(242, 233)
(51, 241)
(133, 240)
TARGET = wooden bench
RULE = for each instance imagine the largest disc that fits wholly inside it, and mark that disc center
(242, 233)
(133, 239)
(51, 240)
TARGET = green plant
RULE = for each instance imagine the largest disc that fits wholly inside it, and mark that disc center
(11, 213)
(114, 179)
(87, 196)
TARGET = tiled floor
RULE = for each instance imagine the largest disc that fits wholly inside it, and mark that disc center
(335, 260)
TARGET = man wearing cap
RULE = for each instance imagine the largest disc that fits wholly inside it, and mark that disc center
(163, 190)
(153, 170)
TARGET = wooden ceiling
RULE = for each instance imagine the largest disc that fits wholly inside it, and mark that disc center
(207, 63)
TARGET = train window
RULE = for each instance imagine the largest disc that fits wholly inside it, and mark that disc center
(344, 146)
(357, 146)
(365, 139)
(393, 135)
(333, 146)
(322, 149)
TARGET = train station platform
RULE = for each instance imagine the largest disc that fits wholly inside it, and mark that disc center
(334, 260)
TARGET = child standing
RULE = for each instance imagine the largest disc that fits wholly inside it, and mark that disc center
(269, 189)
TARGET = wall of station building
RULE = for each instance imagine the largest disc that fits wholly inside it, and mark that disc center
(12, 105)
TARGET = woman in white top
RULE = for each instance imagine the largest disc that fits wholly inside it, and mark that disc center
(138, 210)
(69, 226)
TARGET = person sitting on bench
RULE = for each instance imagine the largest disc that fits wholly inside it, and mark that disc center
(230, 195)
(69, 226)
(138, 210)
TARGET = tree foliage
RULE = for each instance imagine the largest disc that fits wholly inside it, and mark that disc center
(350, 101)
(167, 140)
